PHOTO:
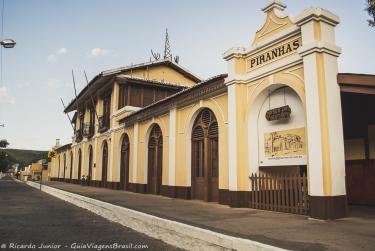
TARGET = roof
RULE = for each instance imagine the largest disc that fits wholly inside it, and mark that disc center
(356, 83)
(106, 75)
(174, 96)
(63, 147)
(150, 82)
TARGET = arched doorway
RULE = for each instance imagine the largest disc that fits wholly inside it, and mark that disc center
(104, 164)
(58, 174)
(277, 138)
(124, 167)
(205, 162)
(79, 164)
(71, 166)
(89, 178)
(64, 165)
(155, 160)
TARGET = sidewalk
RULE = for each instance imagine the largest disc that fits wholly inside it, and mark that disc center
(287, 231)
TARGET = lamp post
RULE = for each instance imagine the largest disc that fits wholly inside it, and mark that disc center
(8, 43)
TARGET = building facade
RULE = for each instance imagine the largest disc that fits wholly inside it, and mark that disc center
(157, 128)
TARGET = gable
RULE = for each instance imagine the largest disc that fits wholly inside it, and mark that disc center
(162, 73)
(273, 24)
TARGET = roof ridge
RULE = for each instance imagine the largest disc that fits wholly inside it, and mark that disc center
(151, 80)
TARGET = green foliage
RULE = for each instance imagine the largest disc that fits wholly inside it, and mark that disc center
(4, 161)
(9, 157)
(4, 143)
(371, 11)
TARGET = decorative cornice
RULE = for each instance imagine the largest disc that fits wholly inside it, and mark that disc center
(274, 5)
(317, 14)
(325, 47)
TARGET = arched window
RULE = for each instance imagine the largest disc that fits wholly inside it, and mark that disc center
(124, 167)
(71, 166)
(89, 178)
(205, 162)
(104, 164)
(79, 164)
(155, 160)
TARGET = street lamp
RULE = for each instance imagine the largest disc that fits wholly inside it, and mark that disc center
(8, 43)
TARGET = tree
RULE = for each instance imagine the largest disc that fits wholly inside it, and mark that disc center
(4, 143)
(371, 11)
(4, 160)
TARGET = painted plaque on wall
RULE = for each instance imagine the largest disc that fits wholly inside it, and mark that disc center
(286, 145)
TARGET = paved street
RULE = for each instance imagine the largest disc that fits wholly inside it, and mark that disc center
(294, 232)
(30, 217)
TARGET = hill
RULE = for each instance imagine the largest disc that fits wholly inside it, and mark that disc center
(24, 157)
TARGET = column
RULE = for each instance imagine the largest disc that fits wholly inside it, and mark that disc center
(326, 160)
(135, 153)
(172, 147)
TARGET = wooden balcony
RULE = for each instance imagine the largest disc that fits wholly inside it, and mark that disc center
(103, 123)
(88, 130)
(79, 135)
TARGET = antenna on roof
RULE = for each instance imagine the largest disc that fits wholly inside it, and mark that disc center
(167, 51)
(167, 47)
(155, 55)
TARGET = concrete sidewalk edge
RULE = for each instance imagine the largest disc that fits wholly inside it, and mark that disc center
(174, 233)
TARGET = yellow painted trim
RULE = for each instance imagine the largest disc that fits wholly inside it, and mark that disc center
(317, 31)
(327, 179)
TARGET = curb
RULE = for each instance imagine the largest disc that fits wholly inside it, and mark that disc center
(174, 233)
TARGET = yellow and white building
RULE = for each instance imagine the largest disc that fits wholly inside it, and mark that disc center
(157, 128)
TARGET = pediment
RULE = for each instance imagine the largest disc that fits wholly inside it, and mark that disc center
(274, 23)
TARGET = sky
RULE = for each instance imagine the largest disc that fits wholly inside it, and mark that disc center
(55, 37)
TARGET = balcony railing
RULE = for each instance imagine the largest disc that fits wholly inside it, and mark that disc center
(79, 135)
(103, 123)
(88, 130)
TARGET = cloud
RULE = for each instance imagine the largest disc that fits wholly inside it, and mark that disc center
(5, 97)
(62, 51)
(52, 58)
(98, 52)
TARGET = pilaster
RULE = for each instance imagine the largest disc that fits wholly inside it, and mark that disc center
(326, 161)
(172, 147)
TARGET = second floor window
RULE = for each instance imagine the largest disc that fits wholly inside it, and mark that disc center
(141, 96)
(92, 117)
(106, 106)
(81, 119)
(123, 96)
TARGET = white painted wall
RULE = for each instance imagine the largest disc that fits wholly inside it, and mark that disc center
(296, 120)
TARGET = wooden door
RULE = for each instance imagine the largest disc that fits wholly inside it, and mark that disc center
(205, 164)
(104, 164)
(79, 164)
(71, 166)
(213, 170)
(64, 165)
(124, 167)
(155, 161)
(360, 181)
(89, 178)
(198, 181)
